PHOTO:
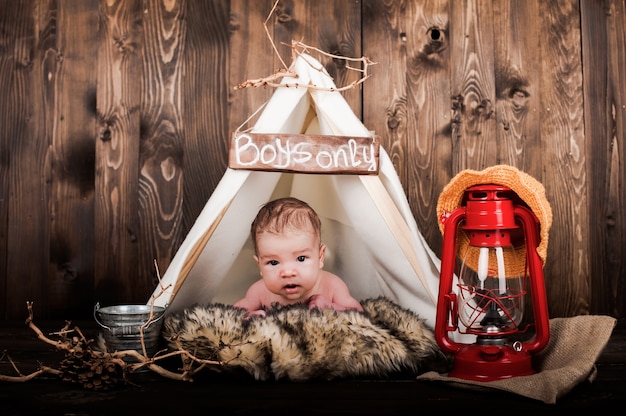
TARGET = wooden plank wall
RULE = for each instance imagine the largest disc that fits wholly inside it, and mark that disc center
(115, 118)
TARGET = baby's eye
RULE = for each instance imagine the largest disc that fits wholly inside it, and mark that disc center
(301, 258)
(272, 262)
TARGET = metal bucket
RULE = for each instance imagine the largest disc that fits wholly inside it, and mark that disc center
(122, 327)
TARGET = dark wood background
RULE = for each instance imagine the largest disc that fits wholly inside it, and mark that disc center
(115, 117)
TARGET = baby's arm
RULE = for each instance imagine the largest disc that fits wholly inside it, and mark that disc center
(321, 302)
(347, 303)
(252, 301)
(337, 296)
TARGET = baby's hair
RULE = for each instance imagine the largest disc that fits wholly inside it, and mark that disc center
(285, 214)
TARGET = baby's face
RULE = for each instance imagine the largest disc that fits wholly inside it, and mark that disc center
(290, 263)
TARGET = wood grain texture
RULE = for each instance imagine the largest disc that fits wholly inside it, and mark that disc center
(473, 85)
(616, 214)
(251, 57)
(205, 94)
(605, 115)
(28, 228)
(22, 194)
(118, 97)
(428, 142)
(71, 124)
(564, 158)
(407, 99)
(10, 20)
(517, 73)
(384, 94)
(161, 192)
(89, 200)
(331, 26)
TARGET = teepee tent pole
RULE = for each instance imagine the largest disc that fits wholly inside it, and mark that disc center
(398, 226)
(197, 249)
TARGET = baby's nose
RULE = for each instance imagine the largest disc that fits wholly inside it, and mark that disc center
(287, 270)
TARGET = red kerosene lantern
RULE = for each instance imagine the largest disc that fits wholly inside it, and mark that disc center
(486, 297)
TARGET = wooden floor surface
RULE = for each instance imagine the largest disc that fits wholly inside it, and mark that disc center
(218, 394)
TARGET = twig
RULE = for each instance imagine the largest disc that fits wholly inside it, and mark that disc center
(76, 345)
(267, 81)
(298, 48)
(5, 354)
(267, 32)
(163, 288)
(39, 333)
(23, 378)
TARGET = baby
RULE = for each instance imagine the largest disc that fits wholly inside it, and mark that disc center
(290, 255)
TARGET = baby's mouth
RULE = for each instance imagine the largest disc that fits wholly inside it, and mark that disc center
(290, 288)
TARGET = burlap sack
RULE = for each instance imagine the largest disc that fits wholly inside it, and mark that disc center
(575, 345)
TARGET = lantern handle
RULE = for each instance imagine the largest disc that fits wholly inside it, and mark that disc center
(537, 282)
(447, 303)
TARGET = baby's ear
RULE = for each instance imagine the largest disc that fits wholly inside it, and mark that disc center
(322, 254)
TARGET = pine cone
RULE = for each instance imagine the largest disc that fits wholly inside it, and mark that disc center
(91, 371)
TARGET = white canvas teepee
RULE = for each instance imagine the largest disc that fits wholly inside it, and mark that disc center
(372, 238)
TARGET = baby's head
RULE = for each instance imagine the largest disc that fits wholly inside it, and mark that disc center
(285, 214)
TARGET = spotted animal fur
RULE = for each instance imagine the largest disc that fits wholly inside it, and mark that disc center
(295, 343)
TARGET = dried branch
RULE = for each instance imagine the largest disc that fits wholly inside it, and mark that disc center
(23, 378)
(267, 32)
(163, 288)
(267, 81)
(298, 48)
(82, 357)
(94, 367)
(29, 321)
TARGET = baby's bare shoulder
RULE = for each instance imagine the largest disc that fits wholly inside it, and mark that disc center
(332, 280)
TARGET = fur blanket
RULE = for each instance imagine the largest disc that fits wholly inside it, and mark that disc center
(295, 343)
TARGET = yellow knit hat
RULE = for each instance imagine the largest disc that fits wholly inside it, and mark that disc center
(528, 189)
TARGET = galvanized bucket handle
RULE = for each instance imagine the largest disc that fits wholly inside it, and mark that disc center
(122, 330)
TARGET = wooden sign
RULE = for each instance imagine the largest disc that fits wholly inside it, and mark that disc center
(304, 153)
